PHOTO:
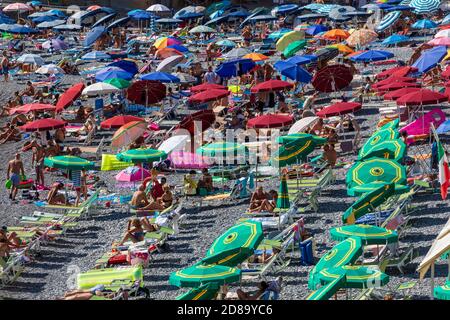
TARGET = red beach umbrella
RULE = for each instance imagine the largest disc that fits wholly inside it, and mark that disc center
(27, 108)
(68, 97)
(421, 97)
(397, 85)
(332, 78)
(270, 121)
(393, 79)
(209, 95)
(399, 71)
(272, 85)
(118, 121)
(146, 92)
(394, 95)
(207, 86)
(43, 125)
(338, 109)
(205, 117)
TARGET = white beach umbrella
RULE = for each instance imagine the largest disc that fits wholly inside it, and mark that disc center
(443, 34)
(170, 62)
(236, 53)
(31, 59)
(158, 8)
(173, 143)
(50, 69)
(99, 88)
(302, 124)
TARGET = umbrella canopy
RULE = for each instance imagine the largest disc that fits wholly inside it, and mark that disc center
(256, 56)
(288, 38)
(292, 152)
(372, 55)
(118, 121)
(345, 252)
(302, 124)
(49, 69)
(395, 39)
(174, 143)
(202, 29)
(332, 78)
(221, 150)
(293, 71)
(111, 73)
(303, 59)
(50, 24)
(205, 117)
(278, 34)
(32, 107)
(355, 276)
(294, 136)
(43, 125)
(270, 121)
(158, 8)
(440, 42)
(338, 109)
(327, 291)
(118, 83)
(367, 203)
(395, 85)
(93, 35)
(271, 85)
(361, 37)
(96, 55)
(378, 137)
(336, 34)
(394, 95)
(141, 155)
(421, 97)
(207, 87)
(390, 149)
(166, 41)
(367, 233)
(442, 292)
(235, 245)
(399, 71)
(283, 194)
(128, 133)
(68, 163)
(31, 59)
(316, 29)
(168, 63)
(132, 174)
(234, 68)
(99, 88)
(188, 160)
(425, 6)
(205, 292)
(293, 48)
(55, 44)
(161, 77)
(17, 7)
(210, 95)
(388, 20)
(146, 92)
(376, 170)
(69, 96)
(424, 24)
(236, 53)
(362, 189)
(430, 58)
(198, 275)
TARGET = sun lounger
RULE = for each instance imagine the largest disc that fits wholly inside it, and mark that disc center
(111, 278)
(407, 256)
(84, 208)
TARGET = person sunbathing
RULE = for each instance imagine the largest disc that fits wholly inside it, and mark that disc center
(267, 205)
(206, 181)
(166, 199)
(98, 290)
(29, 90)
(135, 232)
(262, 287)
(329, 155)
(12, 134)
(8, 242)
(54, 197)
(140, 201)
(257, 199)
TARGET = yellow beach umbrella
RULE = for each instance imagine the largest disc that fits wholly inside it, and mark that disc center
(289, 37)
(256, 56)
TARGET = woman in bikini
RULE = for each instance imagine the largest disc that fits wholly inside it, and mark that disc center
(135, 231)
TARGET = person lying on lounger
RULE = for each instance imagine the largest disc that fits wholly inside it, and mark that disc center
(255, 295)
(98, 290)
(262, 201)
(136, 229)
(8, 242)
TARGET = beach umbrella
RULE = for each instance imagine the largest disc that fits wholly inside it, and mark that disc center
(44, 19)
(118, 83)
(372, 55)
(375, 170)
(43, 125)
(19, 29)
(118, 23)
(235, 245)
(316, 29)
(293, 47)
(399, 71)
(339, 13)
(104, 20)
(283, 194)
(362, 189)
(35, 3)
(367, 233)
(367, 203)
(327, 291)
(302, 124)
(295, 136)
(168, 21)
(303, 59)
(202, 29)
(293, 71)
(311, 16)
(392, 79)
(222, 150)
(32, 107)
(206, 87)
(378, 137)
(339, 109)
(158, 8)
(209, 95)
(204, 292)
(342, 48)
(424, 24)
(141, 15)
(263, 17)
(127, 65)
(68, 163)
(393, 124)
(271, 85)
(188, 160)
(99, 88)
(425, 6)
(56, 12)
(168, 63)
(442, 292)
(278, 34)
(389, 149)
(119, 121)
(95, 56)
(226, 43)
(141, 155)
(146, 92)
(284, 9)
(92, 8)
(292, 152)
(167, 52)
(336, 34)
(326, 54)
(388, 20)
(112, 72)
(69, 96)
(344, 253)
(132, 174)
(440, 42)
(442, 33)
(288, 38)
(421, 97)
(396, 85)
(236, 53)
(31, 59)
(178, 47)
(270, 121)
(173, 143)
(332, 78)
(50, 24)
(55, 44)
(205, 117)
(189, 16)
(360, 277)
(198, 275)
(161, 77)
(255, 56)
(234, 68)
(163, 42)
(68, 27)
(93, 35)
(188, 10)
(17, 7)
(128, 133)
(395, 39)
(430, 58)
(50, 69)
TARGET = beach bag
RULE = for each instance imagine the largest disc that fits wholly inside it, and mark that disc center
(117, 259)
(138, 257)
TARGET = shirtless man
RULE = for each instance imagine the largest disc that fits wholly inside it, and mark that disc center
(15, 168)
(140, 201)
(330, 155)
(258, 198)
(37, 161)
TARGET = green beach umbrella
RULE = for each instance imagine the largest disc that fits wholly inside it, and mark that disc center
(141, 155)
(292, 152)
(223, 149)
(376, 170)
(379, 136)
(367, 203)
(198, 275)
(345, 252)
(367, 233)
(294, 136)
(355, 276)
(442, 292)
(235, 245)
(391, 124)
(68, 163)
(283, 194)
(390, 149)
(369, 187)
(293, 47)
(205, 292)
(327, 291)
(118, 83)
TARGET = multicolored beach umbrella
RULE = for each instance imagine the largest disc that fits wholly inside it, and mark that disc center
(283, 194)
(367, 233)
(292, 152)
(355, 276)
(390, 149)
(367, 203)
(391, 125)
(68, 163)
(235, 245)
(369, 187)
(198, 275)
(345, 252)
(223, 150)
(141, 155)
(205, 292)
(379, 136)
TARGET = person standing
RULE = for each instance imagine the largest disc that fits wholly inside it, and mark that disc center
(5, 66)
(15, 168)
(211, 76)
(37, 161)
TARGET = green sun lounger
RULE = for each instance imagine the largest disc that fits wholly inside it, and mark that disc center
(111, 278)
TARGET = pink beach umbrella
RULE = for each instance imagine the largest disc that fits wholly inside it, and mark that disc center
(132, 174)
(55, 44)
(188, 160)
(20, 7)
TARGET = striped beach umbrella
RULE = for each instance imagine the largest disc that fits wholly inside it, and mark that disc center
(223, 149)
(283, 194)
(361, 37)
(198, 275)
(425, 6)
(367, 233)
(388, 20)
(128, 133)
(292, 152)
(390, 149)
(327, 291)
(362, 189)
(204, 292)
(377, 137)
(68, 163)
(141, 155)
(355, 276)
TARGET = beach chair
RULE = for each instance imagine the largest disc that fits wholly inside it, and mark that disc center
(85, 208)
(96, 151)
(11, 268)
(406, 257)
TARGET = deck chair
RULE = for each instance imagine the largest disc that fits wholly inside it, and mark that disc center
(96, 151)
(407, 256)
(11, 269)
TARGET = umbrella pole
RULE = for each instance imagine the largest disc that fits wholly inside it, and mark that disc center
(432, 281)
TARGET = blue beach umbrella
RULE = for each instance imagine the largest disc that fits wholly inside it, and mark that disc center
(300, 60)
(179, 48)
(372, 55)
(19, 29)
(388, 20)
(104, 20)
(425, 6)
(293, 71)
(399, 8)
(96, 55)
(161, 77)
(235, 68)
(93, 35)
(168, 21)
(50, 24)
(264, 17)
(446, 20)
(430, 58)
(316, 29)
(285, 8)
(44, 19)
(424, 24)
(68, 27)
(118, 23)
(128, 66)
(444, 127)
(112, 72)
(57, 13)
(279, 33)
(189, 16)
(226, 43)
(395, 39)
